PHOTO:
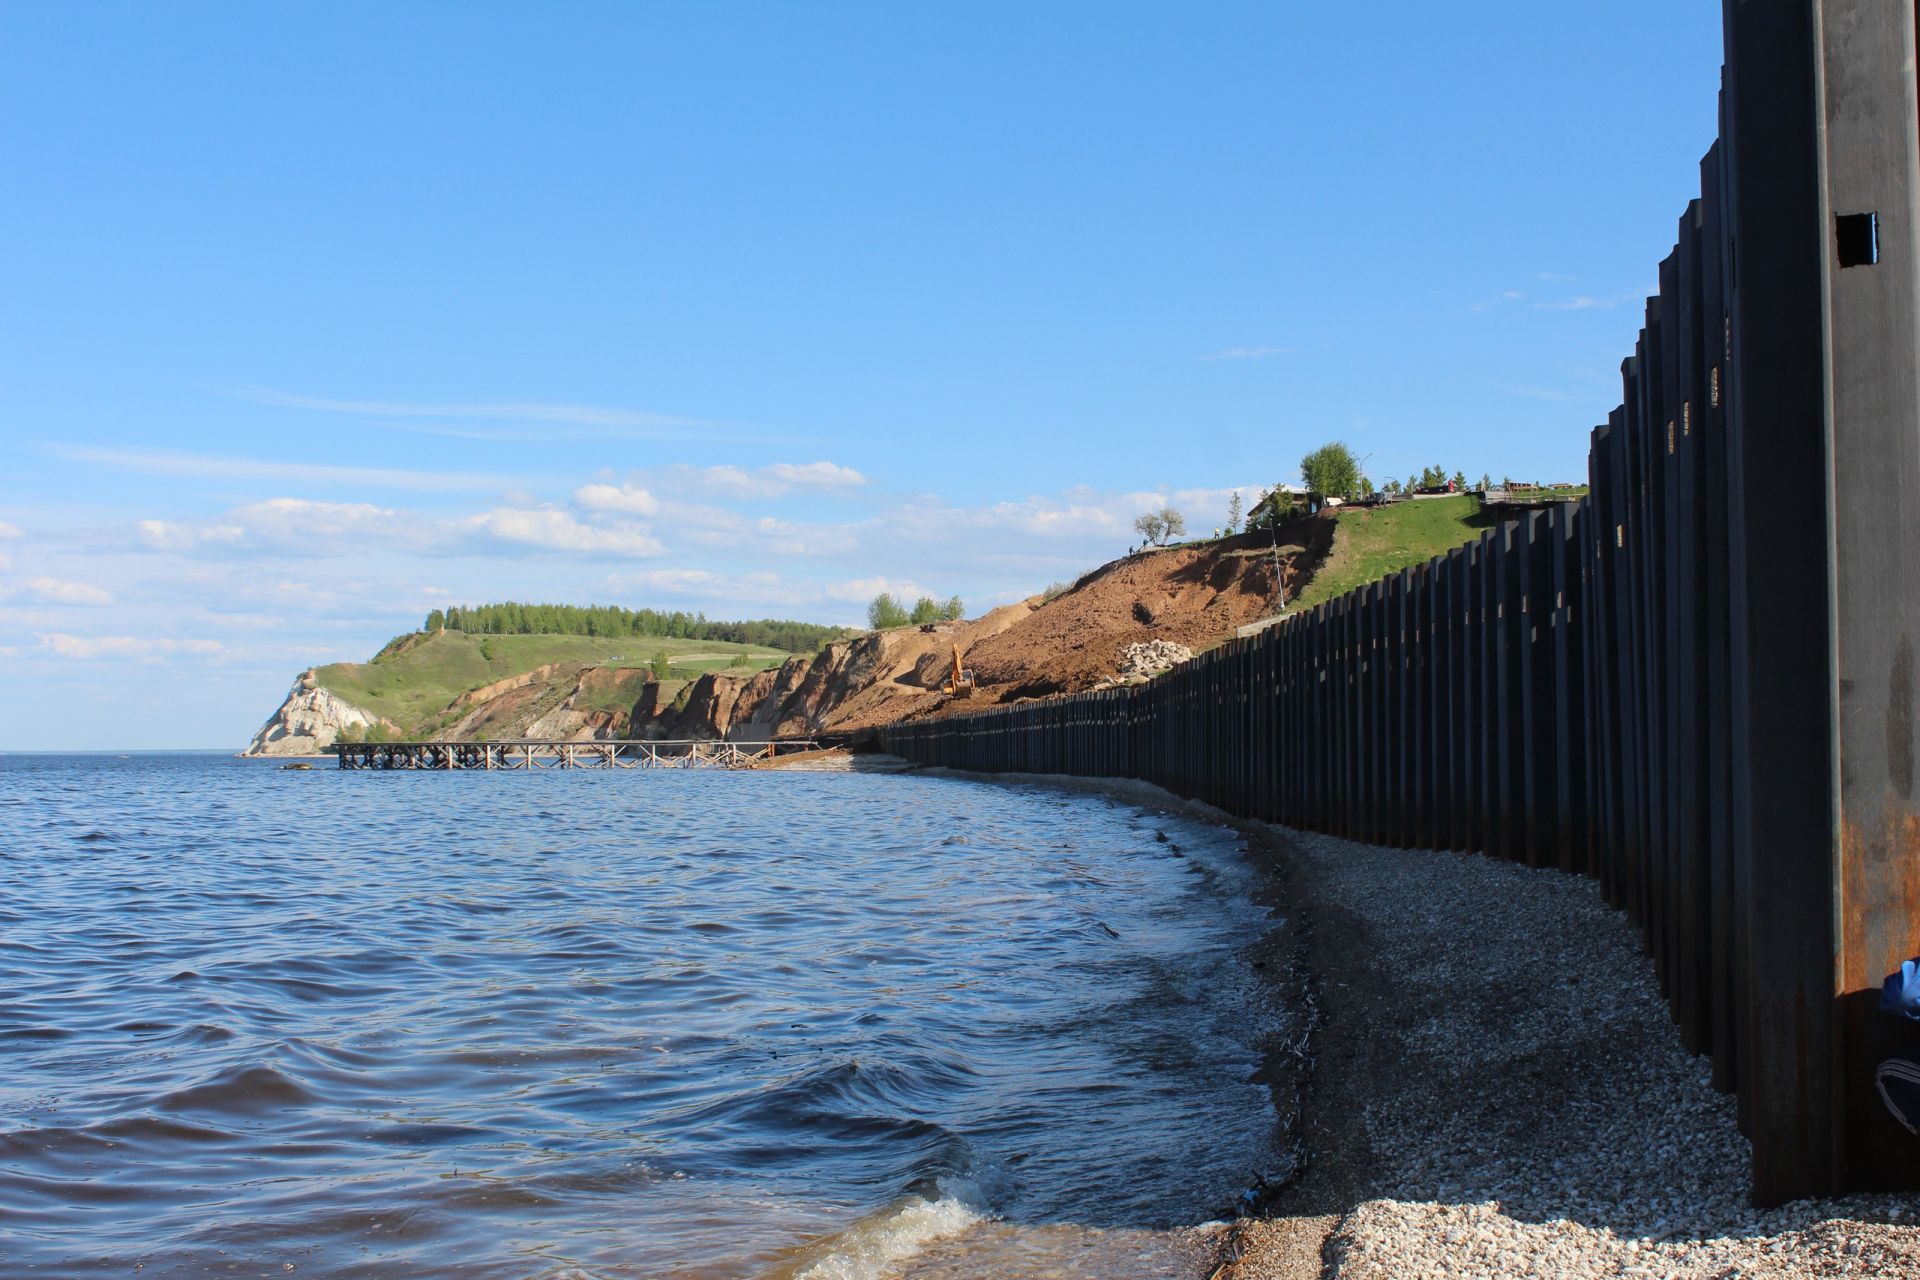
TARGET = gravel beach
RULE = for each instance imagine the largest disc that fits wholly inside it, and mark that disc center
(1499, 1091)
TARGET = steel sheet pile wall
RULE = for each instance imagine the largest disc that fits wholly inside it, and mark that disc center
(1646, 686)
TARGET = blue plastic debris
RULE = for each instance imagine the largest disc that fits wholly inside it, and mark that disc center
(1900, 993)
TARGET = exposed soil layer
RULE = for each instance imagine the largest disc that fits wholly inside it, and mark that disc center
(1193, 596)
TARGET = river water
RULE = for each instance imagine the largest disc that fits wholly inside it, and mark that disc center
(639, 1024)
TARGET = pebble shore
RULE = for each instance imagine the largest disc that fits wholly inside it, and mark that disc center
(1499, 1091)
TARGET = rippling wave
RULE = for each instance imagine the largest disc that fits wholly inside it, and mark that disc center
(613, 1025)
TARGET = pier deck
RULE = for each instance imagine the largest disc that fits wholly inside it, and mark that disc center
(539, 754)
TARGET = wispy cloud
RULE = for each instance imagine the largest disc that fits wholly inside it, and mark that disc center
(1249, 353)
(59, 591)
(1581, 303)
(813, 475)
(604, 419)
(62, 645)
(770, 481)
(303, 528)
(10, 530)
(194, 466)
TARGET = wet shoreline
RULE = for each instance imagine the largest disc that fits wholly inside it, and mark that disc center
(1493, 1086)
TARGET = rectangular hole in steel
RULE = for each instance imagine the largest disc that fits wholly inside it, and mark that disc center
(1858, 235)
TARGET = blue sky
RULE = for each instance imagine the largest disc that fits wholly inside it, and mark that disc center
(314, 317)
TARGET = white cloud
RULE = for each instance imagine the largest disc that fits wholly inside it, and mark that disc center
(303, 527)
(731, 482)
(178, 535)
(554, 530)
(1249, 353)
(299, 526)
(770, 481)
(814, 475)
(56, 591)
(625, 497)
(10, 530)
(62, 645)
(193, 466)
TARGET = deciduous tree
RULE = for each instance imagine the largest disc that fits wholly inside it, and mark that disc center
(1331, 471)
(886, 612)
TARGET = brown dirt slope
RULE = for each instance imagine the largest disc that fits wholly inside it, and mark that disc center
(1195, 596)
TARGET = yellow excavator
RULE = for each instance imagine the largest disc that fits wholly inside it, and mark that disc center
(960, 683)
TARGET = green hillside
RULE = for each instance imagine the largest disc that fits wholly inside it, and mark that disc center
(1370, 543)
(416, 676)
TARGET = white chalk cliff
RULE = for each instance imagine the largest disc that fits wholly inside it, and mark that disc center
(308, 722)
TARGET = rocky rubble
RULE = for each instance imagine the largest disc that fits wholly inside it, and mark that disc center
(1149, 656)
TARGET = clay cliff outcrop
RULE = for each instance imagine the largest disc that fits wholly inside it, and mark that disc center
(308, 722)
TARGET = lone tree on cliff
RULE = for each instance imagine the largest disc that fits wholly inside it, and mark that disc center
(1234, 512)
(1157, 526)
(1331, 471)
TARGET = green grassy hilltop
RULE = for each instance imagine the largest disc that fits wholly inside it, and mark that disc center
(414, 678)
(1370, 543)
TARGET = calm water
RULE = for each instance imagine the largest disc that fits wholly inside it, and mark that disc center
(261, 1023)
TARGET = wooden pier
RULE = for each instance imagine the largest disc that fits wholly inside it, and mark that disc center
(543, 754)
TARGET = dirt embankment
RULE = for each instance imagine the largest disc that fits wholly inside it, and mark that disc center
(1191, 596)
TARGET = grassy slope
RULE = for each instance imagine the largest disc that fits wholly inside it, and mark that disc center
(1370, 544)
(412, 686)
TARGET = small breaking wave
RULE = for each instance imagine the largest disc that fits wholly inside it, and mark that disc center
(877, 1244)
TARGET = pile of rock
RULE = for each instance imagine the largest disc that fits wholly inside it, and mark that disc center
(1149, 656)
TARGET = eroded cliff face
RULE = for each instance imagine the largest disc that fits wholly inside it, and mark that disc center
(1167, 601)
(308, 722)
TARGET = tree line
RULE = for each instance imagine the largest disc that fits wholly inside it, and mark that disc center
(886, 612)
(512, 618)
